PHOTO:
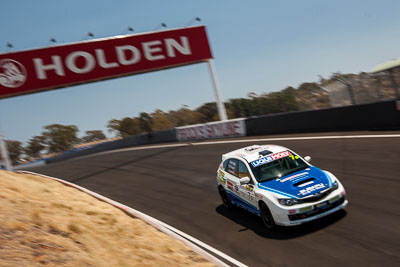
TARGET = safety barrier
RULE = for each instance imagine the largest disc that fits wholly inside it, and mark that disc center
(212, 130)
(141, 139)
(376, 116)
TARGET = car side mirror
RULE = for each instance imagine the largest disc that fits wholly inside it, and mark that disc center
(307, 158)
(244, 180)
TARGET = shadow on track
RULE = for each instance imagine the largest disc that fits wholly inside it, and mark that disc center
(115, 167)
(252, 222)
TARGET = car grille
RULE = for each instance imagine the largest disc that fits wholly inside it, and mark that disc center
(316, 197)
(299, 216)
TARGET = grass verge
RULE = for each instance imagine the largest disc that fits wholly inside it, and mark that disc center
(45, 223)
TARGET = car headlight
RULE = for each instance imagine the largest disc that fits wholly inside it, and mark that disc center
(288, 201)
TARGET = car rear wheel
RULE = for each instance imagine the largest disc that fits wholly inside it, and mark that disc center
(224, 197)
(266, 216)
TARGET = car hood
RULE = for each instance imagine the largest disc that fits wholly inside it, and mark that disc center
(299, 184)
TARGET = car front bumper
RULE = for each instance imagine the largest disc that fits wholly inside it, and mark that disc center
(300, 218)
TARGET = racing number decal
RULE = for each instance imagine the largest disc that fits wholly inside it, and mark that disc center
(248, 193)
(250, 196)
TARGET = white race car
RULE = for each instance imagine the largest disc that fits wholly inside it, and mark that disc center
(278, 185)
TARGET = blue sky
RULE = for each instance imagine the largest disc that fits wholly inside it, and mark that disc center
(259, 46)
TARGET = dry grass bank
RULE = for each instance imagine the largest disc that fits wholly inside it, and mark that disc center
(44, 223)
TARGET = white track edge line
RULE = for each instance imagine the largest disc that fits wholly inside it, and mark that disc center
(192, 242)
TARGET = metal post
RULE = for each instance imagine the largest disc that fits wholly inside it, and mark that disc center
(220, 104)
(349, 86)
(351, 92)
(4, 154)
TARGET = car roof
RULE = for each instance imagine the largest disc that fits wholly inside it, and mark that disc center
(252, 153)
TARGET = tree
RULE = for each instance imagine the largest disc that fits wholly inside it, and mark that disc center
(114, 126)
(160, 121)
(311, 96)
(146, 122)
(59, 138)
(241, 107)
(126, 127)
(276, 102)
(35, 145)
(15, 150)
(208, 111)
(93, 135)
(185, 116)
(129, 126)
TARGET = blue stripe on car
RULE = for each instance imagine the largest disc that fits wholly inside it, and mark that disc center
(275, 191)
(243, 204)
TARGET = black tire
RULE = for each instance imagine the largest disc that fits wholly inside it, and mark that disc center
(266, 216)
(224, 197)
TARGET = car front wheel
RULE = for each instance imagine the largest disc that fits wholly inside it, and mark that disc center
(266, 216)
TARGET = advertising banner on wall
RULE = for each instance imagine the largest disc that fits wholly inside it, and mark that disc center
(212, 130)
(65, 65)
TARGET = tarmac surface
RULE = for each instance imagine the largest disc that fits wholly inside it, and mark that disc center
(177, 185)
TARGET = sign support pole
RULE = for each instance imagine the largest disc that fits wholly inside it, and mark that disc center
(4, 154)
(217, 91)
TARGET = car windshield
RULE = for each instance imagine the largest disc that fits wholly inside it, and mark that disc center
(278, 168)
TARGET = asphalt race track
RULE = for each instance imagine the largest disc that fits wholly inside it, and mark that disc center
(177, 185)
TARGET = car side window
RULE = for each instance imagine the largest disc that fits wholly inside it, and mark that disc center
(232, 167)
(243, 170)
(225, 164)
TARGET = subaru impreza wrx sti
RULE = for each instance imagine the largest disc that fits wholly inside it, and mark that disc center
(278, 185)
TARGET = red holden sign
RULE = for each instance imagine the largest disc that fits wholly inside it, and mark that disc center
(231, 128)
(59, 66)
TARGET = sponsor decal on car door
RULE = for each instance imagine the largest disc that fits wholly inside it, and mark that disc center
(246, 190)
(232, 181)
